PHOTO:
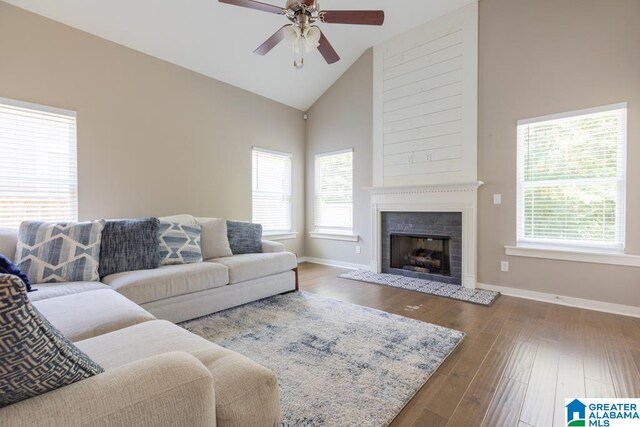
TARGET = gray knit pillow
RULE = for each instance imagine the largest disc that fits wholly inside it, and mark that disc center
(129, 245)
(36, 357)
(244, 237)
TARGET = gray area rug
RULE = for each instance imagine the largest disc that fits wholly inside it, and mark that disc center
(460, 293)
(338, 364)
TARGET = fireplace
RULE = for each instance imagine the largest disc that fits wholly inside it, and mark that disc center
(424, 245)
(445, 210)
(422, 253)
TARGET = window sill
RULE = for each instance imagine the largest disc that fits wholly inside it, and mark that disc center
(577, 256)
(280, 236)
(345, 237)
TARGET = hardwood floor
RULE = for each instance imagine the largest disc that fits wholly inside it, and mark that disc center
(518, 362)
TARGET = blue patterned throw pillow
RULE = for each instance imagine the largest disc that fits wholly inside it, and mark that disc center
(129, 245)
(179, 243)
(8, 267)
(36, 357)
(244, 237)
(59, 252)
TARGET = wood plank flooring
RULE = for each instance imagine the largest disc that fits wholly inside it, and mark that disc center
(518, 361)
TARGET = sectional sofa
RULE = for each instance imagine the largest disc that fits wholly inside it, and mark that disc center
(156, 373)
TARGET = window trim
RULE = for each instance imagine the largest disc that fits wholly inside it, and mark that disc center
(277, 234)
(331, 233)
(38, 107)
(536, 247)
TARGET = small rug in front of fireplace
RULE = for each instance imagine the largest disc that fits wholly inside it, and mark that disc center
(460, 293)
(337, 364)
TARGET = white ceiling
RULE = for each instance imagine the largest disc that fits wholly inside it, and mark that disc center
(217, 39)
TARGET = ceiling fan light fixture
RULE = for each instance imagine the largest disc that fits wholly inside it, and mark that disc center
(302, 35)
(312, 37)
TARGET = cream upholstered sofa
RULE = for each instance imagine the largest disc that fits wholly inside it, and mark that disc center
(158, 374)
(182, 292)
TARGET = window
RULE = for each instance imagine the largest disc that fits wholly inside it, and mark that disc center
(334, 192)
(571, 180)
(38, 177)
(272, 191)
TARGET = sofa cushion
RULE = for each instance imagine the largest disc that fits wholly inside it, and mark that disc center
(59, 252)
(8, 267)
(8, 242)
(246, 393)
(36, 358)
(179, 243)
(253, 266)
(244, 237)
(214, 239)
(89, 314)
(144, 286)
(128, 245)
(53, 290)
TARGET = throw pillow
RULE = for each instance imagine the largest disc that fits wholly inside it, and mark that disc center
(36, 357)
(179, 243)
(215, 243)
(59, 252)
(8, 267)
(244, 237)
(129, 245)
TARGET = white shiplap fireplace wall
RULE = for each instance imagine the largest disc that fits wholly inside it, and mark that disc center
(425, 126)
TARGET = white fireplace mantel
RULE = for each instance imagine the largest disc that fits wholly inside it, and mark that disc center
(455, 197)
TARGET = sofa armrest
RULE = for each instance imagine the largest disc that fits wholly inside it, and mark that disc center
(269, 247)
(169, 389)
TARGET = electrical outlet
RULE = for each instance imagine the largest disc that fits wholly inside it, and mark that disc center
(358, 249)
(497, 199)
(504, 266)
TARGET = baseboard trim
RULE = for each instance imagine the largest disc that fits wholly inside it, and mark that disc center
(605, 307)
(334, 263)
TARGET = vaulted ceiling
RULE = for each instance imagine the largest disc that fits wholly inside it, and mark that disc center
(217, 39)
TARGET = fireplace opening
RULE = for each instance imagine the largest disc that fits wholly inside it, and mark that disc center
(421, 253)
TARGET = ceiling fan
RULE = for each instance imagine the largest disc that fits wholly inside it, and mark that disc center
(302, 34)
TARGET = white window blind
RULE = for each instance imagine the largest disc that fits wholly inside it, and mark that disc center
(334, 191)
(38, 176)
(572, 179)
(272, 190)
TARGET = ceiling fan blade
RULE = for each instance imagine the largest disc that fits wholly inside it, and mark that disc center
(357, 17)
(271, 42)
(251, 4)
(308, 2)
(327, 51)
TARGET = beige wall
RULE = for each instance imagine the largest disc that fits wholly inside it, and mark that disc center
(537, 57)
(342, 119)
(541, 57)
(153, 138)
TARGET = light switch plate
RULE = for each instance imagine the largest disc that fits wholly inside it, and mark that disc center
(504, 266)
(497, 199)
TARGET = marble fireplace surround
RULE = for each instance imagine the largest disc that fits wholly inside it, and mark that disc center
(462, 197)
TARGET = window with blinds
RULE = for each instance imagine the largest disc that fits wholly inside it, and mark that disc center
(334, 191)
(272, 205)
(38, 169)
(571, 180)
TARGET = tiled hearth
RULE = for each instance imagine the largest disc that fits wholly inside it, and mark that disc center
(435, 251)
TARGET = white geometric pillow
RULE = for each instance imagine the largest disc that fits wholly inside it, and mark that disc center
(179, 243)
(59, 252)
